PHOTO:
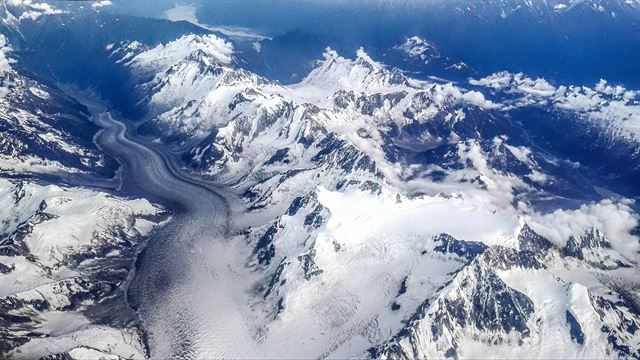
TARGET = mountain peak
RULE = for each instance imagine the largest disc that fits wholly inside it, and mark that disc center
(416, 46)
(335, 72)
(545, 8)
(363, 59)
(330, 54)
(167, 55)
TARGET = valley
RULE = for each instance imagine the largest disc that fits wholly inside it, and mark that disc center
(186, 274)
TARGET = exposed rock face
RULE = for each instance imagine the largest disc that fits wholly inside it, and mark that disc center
(594, 248)
(469, 315)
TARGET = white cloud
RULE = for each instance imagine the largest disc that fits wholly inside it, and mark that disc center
(615, 219)
(478, 99)
(5, 62)
(613, 108)
(102, 3)
(29, 9)
(5, 65)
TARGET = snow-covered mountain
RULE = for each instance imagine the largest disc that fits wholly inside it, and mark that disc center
(15, 11)
(509, 301)
(43, 130)
(400, 217)
(66, 252)
(428, 59)
(422, 209)
(611, 108)
(546, 8)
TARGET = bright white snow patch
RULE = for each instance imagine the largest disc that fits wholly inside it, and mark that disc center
(357, 216)
(81, 215)
(417, 47)
(61, 234)
(559, 7)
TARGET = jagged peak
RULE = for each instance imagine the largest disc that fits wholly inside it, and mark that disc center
(330, 54)
(594, 248)
(506, 258)
(416, 40)
(503, 309)
(363, 59)
(163, 56)
(416, 46)
(201, 55)
(361, 73)
(591, 239)
(529, 240)
(468, 250)
(134, 45)
(125, 51)
(331, 59)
